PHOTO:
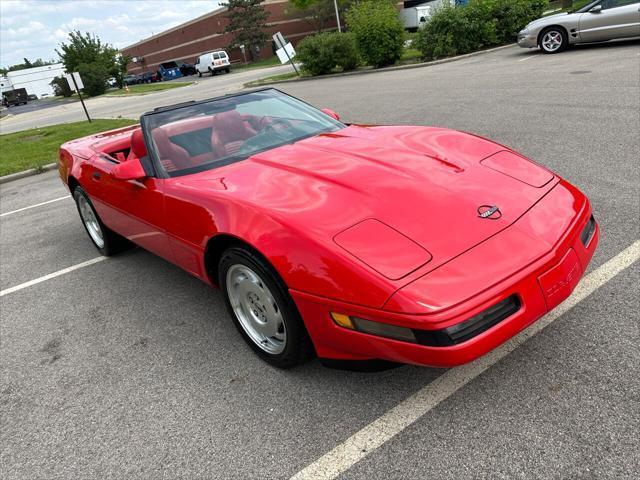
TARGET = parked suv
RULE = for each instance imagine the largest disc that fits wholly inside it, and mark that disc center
(169, 71)
(149, 77)
(131, 79)
(187, 69)
(213, 62)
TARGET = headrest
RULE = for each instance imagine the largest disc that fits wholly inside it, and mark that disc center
(138, 147)
(229, 125)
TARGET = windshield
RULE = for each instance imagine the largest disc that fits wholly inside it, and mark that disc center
(585, 8)
(205, 135)
(169, 65)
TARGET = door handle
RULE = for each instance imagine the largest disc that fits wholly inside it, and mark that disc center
(96, 175)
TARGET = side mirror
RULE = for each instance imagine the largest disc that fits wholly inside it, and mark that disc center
(596, 9)
(129, 170)
(331, 113)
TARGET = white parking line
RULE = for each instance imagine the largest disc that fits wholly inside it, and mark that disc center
(526, 58)
(30, 283)
(34, 206)
(381, 430)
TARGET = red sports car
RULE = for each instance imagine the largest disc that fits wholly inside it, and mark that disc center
(354, 242)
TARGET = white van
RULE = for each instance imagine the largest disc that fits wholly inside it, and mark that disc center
(213, 62)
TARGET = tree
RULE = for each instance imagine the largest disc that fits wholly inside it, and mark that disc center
(86, 48)
(94, 77)
(95, 61)
(61, 87)
(26, 64)
(247, 21)
(319, 13)
(119, 71)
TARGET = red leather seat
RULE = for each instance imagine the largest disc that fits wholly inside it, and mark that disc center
(172, 156)
(230, 130)
(138, 147)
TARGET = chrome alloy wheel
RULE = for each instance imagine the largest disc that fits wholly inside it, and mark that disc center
(552, 41)
(90, 221)
(256, 309)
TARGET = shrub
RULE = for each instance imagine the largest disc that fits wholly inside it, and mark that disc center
(513, 15)
(324, 52)
(454, 31)
(94, 77)
(482, 23)
(378, 31)
(61, 87)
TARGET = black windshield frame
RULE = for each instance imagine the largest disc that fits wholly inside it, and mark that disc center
(160, 172)
(587, 7)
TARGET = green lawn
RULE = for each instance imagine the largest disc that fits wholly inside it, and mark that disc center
(267, 62)
(410, 55)
(39, 146)
(147, 88)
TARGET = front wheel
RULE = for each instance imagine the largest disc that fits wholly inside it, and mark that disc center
(553, 40)
(199, 74)
(105, 240)
(262, 309)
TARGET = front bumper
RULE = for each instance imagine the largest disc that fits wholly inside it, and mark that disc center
(527, 39)
(539, 285)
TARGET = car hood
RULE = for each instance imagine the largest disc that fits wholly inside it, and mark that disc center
(421, 187)
(551, 19)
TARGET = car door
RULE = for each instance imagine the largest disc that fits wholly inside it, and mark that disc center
(615, 19)
(132, 208)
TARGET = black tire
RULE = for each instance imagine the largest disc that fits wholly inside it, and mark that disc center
(199, 74)
(113, 243)
(212, 72)
(298, 346)
(560, 33)
(227, 69)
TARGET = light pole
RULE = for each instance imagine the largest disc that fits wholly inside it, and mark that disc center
(335, 4)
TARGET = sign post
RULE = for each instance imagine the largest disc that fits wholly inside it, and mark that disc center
(335, 4)
(285, 51)
(77, 83)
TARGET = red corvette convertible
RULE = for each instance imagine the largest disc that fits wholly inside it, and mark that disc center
(354, 242)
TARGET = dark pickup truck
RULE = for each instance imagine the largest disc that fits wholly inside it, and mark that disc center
(15, 97)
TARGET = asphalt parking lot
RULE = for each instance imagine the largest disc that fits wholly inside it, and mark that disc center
(130, 368)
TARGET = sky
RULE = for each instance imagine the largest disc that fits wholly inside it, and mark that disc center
(34, 28)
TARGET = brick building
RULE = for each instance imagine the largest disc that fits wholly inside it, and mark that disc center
(206, 33)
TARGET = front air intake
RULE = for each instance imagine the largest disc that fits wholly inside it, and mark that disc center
(470, 328)
(587, 232)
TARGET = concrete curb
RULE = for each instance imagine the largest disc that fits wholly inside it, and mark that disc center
(27, 173)
(381, 70)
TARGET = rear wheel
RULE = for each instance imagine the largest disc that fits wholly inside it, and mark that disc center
(553, 40)
(105, 240)
(262, 309)
(227, 69)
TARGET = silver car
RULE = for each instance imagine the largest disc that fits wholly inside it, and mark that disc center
(597, 21)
